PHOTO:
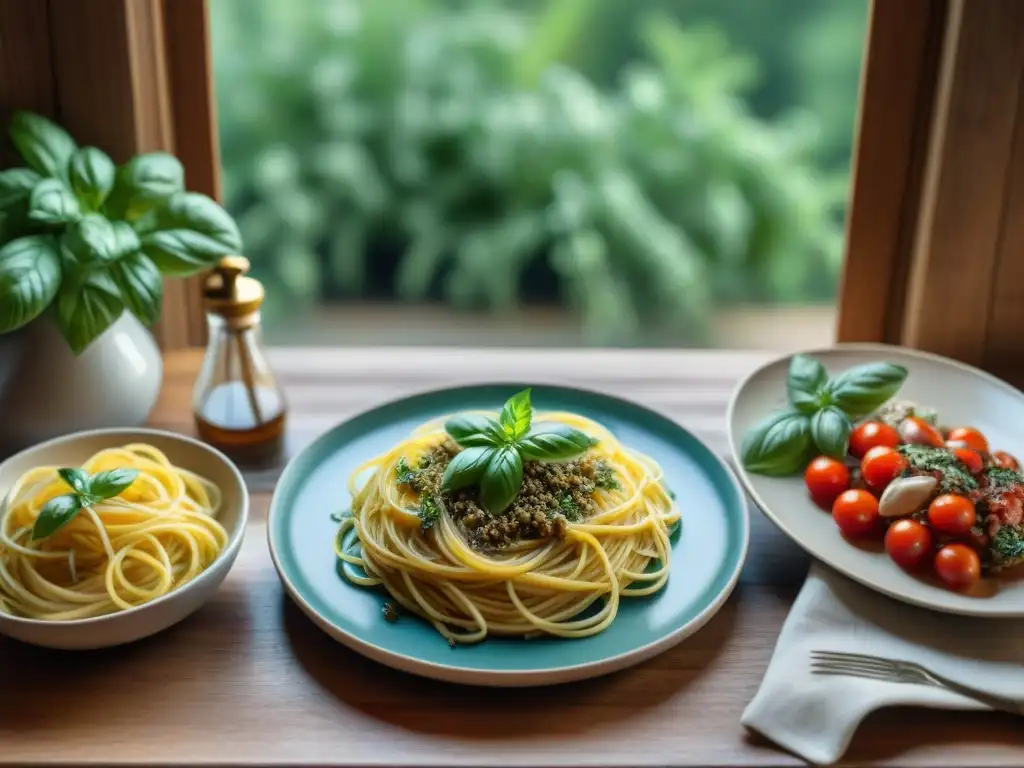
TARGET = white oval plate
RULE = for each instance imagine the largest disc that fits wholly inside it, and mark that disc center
(963, 396)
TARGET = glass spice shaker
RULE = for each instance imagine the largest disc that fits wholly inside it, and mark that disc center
(237, 404)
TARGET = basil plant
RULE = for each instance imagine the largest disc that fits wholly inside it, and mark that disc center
(85, 240)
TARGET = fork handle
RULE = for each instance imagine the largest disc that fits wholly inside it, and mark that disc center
(989, 699)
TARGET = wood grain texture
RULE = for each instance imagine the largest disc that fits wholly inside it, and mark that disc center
(26, 70)
(897, 84)
(1004, 353)
(248, 680)
(113, 92)
(190, 71)
(970, 152)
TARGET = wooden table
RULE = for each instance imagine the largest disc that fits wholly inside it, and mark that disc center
(248, 680)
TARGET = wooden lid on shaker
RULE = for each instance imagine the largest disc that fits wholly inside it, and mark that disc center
(228, 292)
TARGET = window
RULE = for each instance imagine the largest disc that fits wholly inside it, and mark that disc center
(931, 218)
(556, 172)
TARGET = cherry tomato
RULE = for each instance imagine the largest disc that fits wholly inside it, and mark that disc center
(856, 513)
(958, 566)
(1006, 461)
(951, 514)
(970, 436)
(880, 466)
(970, 458)
(915, 431)
(871, 434)
(909, 543)
(826, 478)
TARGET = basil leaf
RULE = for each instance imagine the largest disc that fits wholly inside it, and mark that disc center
(143, 183)
(106, 485)
(44, 145)
(554, 442)
(78, 479)
(805, 382)
(467, 467)
(516, 415)
(780, 445)
(16, 184)
(192, 232)
(91, 174)
(51, 202)
(805, 402)
(470, 430)
(502, 479)
(87, 305)
(830, 430)
(860, 390)
(141, 286)
(58, 512)
(125, 239)
(91, 239)
(29, 279)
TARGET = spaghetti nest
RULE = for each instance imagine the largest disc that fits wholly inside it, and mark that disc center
(566, 584)
(158, 534)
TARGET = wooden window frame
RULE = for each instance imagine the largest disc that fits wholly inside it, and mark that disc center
(932, 258)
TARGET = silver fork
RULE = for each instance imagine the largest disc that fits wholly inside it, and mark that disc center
(907, 672)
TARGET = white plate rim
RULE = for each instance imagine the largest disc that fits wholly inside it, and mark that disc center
(510, 678)
(983, 610)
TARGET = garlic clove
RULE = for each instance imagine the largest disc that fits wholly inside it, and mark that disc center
(905, 495)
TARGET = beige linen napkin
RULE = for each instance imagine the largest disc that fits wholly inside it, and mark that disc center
(816, 716)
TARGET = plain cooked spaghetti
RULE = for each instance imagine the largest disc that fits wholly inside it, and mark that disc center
(158, 534)
(534, 586)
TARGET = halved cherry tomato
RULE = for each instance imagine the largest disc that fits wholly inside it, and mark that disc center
(871, 434)
(958, 566)
(970, 458)
(826, 478)
(1005, 460)
(915, 431)
(909, 543)
(952, 514)
(880, 466)
(969, 436)
(856, 513)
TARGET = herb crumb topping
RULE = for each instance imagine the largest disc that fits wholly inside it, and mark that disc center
(552, 494)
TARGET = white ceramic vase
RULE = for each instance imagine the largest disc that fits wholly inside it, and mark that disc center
(46, 390)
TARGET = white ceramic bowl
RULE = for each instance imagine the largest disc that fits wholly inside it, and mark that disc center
(963, 396)
(159, 614)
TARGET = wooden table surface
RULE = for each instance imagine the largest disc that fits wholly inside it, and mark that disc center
(248, 680)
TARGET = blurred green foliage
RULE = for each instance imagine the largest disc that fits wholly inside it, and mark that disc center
(432, 150)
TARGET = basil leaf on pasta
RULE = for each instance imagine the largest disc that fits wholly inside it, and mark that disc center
(469, 430)
(58, 512)
(501, 481)
(78, 479)
(554, 442)
(516, 415)
(467, 467)
(106, 485)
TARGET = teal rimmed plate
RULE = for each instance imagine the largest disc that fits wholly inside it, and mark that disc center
(707, 554)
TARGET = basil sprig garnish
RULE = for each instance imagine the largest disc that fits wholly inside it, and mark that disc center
(821, 413)
(494, 450)
(862, 389)
(87, 490)
(779, 446)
